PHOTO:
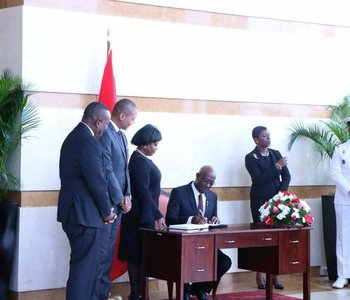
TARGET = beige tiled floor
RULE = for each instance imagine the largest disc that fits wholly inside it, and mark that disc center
(320, 286)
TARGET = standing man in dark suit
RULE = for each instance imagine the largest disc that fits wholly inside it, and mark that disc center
(116, 152)
(196, 203)
(84, 203)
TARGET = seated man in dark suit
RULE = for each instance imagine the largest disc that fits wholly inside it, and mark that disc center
(196, 203)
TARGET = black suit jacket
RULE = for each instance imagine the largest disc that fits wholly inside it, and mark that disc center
(116, 160)
(266, 179)
(145, 179)
(83, 198)
(182, 205)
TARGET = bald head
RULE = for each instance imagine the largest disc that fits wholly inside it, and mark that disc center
(205, 179)
(97, 117)
(207, 170)
(124, 113)
(125, 106)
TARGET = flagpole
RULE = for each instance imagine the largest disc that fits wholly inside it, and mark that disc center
(107, 93)
(108, 41)
(108, 96)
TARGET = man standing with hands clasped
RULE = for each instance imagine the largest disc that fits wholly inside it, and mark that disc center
(196, 203)
(116, 155)
(84, 204)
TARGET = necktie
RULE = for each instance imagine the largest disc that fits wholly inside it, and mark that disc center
(121, 138)
(200, 204)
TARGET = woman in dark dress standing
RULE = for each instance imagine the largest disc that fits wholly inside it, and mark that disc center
(269, 173)
(145, 190)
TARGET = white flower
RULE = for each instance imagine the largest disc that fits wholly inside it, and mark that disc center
(306, 206)
(295, 214)
(281, 215)
(285, 209)
(276, 197)
(264, 212)
(255, 156)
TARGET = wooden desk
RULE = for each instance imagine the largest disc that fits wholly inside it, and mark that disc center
(182, 257)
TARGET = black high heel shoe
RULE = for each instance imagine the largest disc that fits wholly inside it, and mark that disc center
(278, 286)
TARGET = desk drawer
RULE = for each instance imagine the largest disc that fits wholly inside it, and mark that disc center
(242, 240)
(198, 260)
(293, 251)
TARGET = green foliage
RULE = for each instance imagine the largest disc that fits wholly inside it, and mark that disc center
(17, 118)
(325, 135)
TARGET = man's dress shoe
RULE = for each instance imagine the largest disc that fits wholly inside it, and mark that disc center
(187, 291)
(201, 295)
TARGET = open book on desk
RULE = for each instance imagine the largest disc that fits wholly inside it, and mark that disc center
(188, 227)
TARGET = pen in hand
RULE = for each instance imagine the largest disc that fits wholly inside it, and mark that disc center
(200, 219)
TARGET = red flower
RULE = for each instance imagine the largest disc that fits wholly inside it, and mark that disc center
(286, 193)
(268, 220)
(309, 219)
(295, 200)
(266, 205)
(278, 202)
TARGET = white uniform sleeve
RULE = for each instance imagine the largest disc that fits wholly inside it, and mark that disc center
(336, 173)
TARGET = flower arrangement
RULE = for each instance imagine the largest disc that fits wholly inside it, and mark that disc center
(286, 209)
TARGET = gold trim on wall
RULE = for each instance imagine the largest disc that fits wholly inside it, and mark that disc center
(39, 198)
(169, 14)
(167, 105)
(61, 100)
(50, 198)
(10, 3)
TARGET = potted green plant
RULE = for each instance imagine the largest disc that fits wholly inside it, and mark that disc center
(17, 118)
(325, 136)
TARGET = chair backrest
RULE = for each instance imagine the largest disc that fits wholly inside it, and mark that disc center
(163, 202)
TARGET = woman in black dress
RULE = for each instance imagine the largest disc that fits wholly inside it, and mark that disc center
(145, 190)
(269, 173)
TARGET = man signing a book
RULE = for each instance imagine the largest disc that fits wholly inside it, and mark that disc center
(195, 203)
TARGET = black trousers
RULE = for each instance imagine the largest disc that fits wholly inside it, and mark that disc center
(85, 244)
(109, 238)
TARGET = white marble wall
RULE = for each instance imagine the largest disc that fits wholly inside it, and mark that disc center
(42, 255)
(189, 141)
(174, 60)
(11, 39)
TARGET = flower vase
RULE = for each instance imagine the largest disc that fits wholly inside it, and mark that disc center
(283, 225)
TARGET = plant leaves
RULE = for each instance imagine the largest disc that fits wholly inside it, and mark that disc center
(17, 118)
(325, 135)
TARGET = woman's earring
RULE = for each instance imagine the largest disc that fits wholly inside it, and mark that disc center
(144, 147)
